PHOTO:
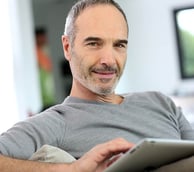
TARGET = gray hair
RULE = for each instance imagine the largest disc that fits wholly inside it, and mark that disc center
(78, 8)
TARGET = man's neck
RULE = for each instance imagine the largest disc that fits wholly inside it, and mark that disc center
(84, 93)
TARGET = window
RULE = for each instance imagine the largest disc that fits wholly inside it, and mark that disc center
(184, 25)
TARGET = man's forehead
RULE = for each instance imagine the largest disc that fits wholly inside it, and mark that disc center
(100, 11)
(102, 18)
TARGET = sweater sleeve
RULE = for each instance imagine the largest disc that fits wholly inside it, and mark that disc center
(24, 138)
(186, 131)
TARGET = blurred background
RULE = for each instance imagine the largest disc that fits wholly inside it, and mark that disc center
(34, 74)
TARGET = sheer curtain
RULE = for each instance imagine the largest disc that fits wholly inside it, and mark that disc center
(8, 105)
(19, 83)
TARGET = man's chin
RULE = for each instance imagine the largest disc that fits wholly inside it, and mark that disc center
(104, 91)
(100, 88)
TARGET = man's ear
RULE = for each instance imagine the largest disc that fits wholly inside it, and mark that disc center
(66, 47)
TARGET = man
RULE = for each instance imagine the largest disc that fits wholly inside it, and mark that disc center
(95, 44)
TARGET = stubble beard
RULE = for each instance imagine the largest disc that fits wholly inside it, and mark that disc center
(102, 90)
(96, 85)
(85, 78)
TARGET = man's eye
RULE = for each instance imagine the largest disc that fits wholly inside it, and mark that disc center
(93, 44)
(120, 45)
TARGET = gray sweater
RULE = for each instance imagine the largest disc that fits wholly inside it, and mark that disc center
(77, 125)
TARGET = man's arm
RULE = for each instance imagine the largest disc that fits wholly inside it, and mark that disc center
(97, 159)
(8, 164)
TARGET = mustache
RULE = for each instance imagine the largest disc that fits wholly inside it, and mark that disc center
(105, 68)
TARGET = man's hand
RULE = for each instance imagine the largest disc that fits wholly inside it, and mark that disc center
(101, 156)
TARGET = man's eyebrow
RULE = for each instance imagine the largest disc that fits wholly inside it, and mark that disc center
(92, 39)
(123, 41)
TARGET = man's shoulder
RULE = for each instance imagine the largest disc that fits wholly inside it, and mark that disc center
(153, 96)
(144, 94)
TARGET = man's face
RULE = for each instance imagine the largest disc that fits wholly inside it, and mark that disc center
(98, 54)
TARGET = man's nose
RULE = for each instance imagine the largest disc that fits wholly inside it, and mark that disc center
(107, 56)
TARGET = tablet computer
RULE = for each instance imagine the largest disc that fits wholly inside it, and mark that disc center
(152, 153)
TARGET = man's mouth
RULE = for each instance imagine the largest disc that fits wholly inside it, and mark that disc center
(104, 74)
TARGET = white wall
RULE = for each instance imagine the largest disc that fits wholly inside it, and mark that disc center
(19, 83)
(8, 101)
(25, 64)
(152, 54)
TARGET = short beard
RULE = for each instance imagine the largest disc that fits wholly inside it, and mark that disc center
(88, 82)
(102, 90)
